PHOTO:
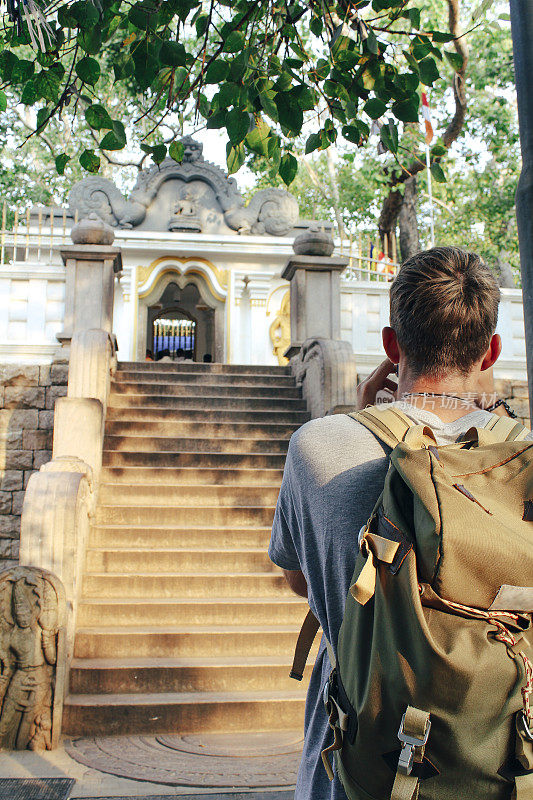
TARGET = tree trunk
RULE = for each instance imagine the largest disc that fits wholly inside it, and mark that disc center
(504, 272)
(407, 221)
(388, 219)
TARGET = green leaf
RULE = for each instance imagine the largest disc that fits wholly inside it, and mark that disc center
(290, 114)
(414, 17)
(389, 136)
(438, 173)
(176, 151)
(217, 71)
(159, 153)
(375, 108)
(288, 168)
(257, 139)
(455, 59)
(482, 8)
(144, 16)
(98, 118)
(88, 69)
(237, 125)
(172, 54)
(407, 110)
(42, 118)
(313, 143)
(317, 26)
(29, 95)
(3, 101)
(66, 18)
(124, 66)
(90, 40)
(351, 133)
(429, 72)
(61, 162)
(115, 139)
(371, 42)
(8, 60)
(22, 71)
(440, 37)
(438, 150)
(85, 13)
(201, 24)
(47, 84)
(421, 50)
(268, 105)
(89, 161)
(234, 157)
(146, 58)
(235, 42)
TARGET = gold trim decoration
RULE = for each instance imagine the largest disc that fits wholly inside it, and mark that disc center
(280, 330)
(144, 273)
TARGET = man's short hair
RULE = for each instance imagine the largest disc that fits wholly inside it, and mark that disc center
(444, 310)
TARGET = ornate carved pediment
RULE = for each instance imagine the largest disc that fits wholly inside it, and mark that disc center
(192, 196)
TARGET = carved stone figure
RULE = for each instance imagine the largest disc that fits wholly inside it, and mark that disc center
(271, 211)
(280, 330)
(185, 216)
(32, 611)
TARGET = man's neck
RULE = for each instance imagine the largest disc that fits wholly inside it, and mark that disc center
(449, 398)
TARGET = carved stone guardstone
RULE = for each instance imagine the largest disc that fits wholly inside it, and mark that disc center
(32, 658)
(91, 264)
(315, 293)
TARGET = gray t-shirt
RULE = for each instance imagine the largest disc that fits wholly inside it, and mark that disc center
(333, 476)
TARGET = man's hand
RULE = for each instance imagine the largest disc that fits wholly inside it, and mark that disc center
(376, 382)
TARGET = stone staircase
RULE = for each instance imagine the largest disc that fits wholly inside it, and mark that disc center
(184, 624)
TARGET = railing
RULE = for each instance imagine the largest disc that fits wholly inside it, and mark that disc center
(33, 237)
(368, 260)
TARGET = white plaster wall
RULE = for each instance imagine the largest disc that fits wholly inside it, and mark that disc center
(365, 310)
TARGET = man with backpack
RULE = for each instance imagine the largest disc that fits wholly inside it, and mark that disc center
(427, 565)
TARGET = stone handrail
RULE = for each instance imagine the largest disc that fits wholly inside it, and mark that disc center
(326, 371)
(61, 497)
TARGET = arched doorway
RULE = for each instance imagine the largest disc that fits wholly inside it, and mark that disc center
(180, 313)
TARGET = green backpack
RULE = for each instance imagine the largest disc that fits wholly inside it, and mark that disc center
(430, 695)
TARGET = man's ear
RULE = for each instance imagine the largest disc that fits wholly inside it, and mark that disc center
(390, 344)
(493, 352)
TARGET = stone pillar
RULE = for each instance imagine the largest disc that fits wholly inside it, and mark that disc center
(91, 265)
(315, 277)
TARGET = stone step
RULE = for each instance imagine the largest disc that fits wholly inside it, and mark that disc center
(195, 390)
(195, 444)
(187, 402)
(157, 414)
(160, 459)
(187, 495)
(148, 537)
(200, 378)
(176, 429)
(179, 585)
(185, 642)
(209, 516)
(210, 674)
(204, 611)
(214, 368)
(191, 476)
(120, 560)
(182, 712)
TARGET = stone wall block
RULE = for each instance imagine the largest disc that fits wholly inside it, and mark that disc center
(45, 375)
(19, 459)
(9, 526)
(27, 475)
(19, 375)
(52, 393)
(59, 374)
(2, 391)
(18, 419)
(42, 457)
(18, 500)
(11, 440)
(11, 480)
(6, 500)
(37, 440)
(46, 420)
(9, 550)
(24, 397)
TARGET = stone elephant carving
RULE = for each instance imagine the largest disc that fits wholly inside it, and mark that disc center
(101, 196)
(271, 211)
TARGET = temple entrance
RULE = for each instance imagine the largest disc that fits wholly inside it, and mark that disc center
(180, 320)
(180, 326)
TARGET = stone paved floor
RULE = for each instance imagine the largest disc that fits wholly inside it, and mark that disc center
(94, 784)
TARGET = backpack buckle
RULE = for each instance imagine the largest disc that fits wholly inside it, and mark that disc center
(523, 727)
(409, 745)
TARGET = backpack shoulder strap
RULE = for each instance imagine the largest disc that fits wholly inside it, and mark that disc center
(388, 423)
(505, 429)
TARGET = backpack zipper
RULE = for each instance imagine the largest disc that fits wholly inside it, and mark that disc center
(466, 493)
